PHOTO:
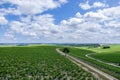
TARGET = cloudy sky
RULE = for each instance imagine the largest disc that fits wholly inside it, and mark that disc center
(60, 21)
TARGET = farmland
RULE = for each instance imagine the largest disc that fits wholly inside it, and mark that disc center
(110, 55)
(38, 63)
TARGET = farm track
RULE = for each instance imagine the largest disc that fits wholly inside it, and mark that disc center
(100, 75)
(88, 56)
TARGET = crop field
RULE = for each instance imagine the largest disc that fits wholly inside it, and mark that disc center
(109, 55)
(113, 48)
(38, 63)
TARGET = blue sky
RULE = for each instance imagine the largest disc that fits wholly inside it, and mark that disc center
(59, 21)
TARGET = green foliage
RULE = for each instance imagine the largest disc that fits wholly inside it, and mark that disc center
(113, 48)
(38, 63)
(66, 50)
(80, 54)
(105, 47)
(112, 57)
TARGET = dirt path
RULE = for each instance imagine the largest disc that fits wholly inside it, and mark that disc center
(96, 72)
(88, 56)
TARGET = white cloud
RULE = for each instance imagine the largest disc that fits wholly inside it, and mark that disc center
(33, 6)
(98, 26)
(95, 16)
(98, 4)
(111, 12)
(9, 35)
(86, 5)
(40, 26)
(14, 11)
(78, 14)
(3, 20)
(113, 23)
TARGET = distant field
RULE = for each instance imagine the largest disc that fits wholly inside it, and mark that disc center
(38, 45)
(38, 63)
(7, 45)
(113, 48)
(111, 55)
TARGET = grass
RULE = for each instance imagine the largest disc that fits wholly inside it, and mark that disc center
(113, 48)
(38, 63)
(111, 57)
(111, 54)
(38, 45)
(80, 54)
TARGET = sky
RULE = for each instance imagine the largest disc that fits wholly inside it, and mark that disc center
(59, 21)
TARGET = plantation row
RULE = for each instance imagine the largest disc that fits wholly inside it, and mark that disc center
(80, 53)
(112, 57)
(38, 63)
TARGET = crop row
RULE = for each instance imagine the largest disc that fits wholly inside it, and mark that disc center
(112, 57)
(80, 53)
(38, 63)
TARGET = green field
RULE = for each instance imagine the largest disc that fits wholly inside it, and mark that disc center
(38, 63)
(108, 55)
(111, 55)
(113, 48)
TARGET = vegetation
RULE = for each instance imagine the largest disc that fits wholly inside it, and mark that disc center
(113, 48)
(111, 57)
(80, 54)
(80, 45)
(105, 47)
(38, 63)
(66, 50)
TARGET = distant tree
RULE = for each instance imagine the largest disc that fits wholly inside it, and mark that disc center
(106, 47)
(119, 64)
(66, 50)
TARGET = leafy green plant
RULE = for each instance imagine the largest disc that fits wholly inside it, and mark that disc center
(38, 63)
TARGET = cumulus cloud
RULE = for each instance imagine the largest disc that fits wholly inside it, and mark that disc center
(99, 4)
(33, 6)
(113, 23)
(101, 25)
(86, 5)
(41, 26)
(95, 16)
(9, 36)
(93, 26)
(3, 20)
(35, 26)
(112, 12)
